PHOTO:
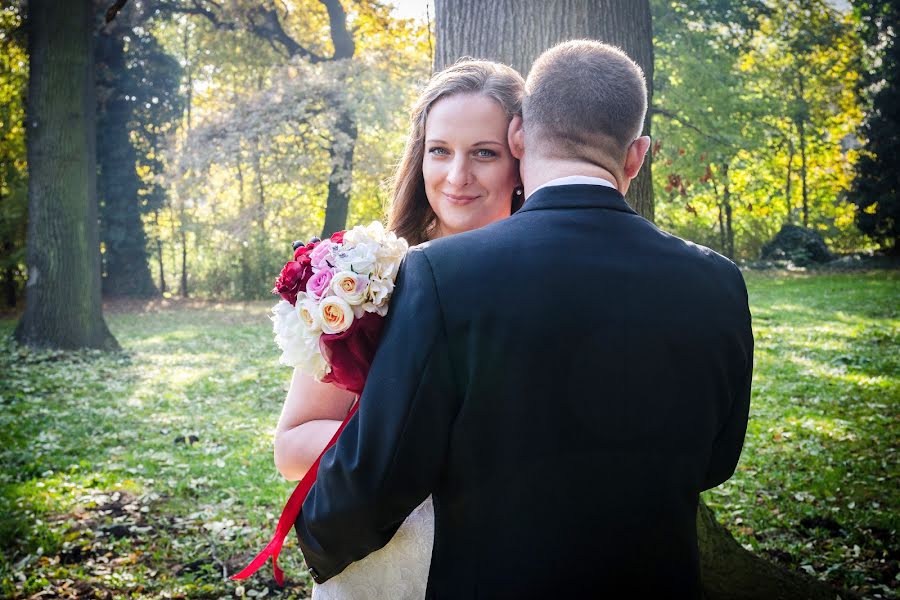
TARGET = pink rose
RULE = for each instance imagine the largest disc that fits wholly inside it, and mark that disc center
(320, 255)
(319, 284)
(337, 237)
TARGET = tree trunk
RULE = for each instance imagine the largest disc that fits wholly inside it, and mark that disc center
(515, 32)
(340, 180)
(126, 267)
(729, 572)
(787, 184)
(801, 128)
(182, 202)
(62, 307)
(726, 202)
(159, 253)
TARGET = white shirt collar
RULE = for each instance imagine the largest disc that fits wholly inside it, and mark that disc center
(577, 180)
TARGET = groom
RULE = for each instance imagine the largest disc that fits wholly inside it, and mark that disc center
(564, 382)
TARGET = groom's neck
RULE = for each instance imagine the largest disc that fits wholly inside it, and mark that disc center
(537, 171)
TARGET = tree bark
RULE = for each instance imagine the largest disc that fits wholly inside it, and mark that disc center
(340, 180)
(159, 253)
(787, 184)
(726, 202)
(125, 260)
(729, 572)
(62, 306)
(515, 32)
(802, 117)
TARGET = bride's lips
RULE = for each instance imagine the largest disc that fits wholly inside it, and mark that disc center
(460, 200)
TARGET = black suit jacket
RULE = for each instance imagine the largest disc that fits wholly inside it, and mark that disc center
(565, 382)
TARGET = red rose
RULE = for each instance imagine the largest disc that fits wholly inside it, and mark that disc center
(337, 237)
(293, 279)
(303, 250)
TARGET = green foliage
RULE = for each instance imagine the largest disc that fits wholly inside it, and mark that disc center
(76, 429)
(876, 188)
(250, 171)
(753, 107)
(13, 170)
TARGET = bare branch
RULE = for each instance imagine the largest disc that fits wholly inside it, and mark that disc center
(655, 110)
(197, 8)
(113, 10)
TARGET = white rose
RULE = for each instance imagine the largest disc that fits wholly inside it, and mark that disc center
(336, 315)
(308, 313)
(350, 286)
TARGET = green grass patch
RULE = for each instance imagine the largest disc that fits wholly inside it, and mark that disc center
(149, 473)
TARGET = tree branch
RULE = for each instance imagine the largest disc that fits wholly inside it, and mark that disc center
(344, 46)
(113, 10)
(655, 110)
(196, 7)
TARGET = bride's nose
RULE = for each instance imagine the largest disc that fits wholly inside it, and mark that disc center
(460, 173)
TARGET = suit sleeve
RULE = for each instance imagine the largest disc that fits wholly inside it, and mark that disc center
(729, 440)
(389, 457)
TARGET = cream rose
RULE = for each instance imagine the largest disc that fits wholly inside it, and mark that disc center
(350, 286)
(308, 312)
(336, 315)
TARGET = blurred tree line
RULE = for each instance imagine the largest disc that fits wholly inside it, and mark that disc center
(227, 130)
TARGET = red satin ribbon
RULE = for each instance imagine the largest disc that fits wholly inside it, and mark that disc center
(289, 514)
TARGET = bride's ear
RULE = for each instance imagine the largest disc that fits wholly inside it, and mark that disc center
(516, 137)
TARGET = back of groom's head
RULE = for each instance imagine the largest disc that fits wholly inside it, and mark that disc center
(584, 101)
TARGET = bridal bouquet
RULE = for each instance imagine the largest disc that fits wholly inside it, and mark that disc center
(335, 295)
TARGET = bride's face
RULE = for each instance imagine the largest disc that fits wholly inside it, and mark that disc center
(469, 172)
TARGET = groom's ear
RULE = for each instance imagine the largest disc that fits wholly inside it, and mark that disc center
(516, 137)
(634, 156)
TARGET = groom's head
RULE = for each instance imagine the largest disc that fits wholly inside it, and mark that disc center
(585, 103)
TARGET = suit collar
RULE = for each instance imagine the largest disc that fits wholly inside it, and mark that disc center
(576, 196)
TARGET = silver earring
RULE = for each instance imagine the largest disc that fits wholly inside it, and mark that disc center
(518, 191)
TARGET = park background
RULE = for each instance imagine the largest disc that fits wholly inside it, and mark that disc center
(178, 147)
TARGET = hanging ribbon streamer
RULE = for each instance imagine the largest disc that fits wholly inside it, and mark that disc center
(289, 514)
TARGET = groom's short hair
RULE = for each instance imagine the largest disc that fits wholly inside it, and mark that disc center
(584, 100)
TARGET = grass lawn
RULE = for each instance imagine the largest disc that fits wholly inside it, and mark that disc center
(149, 473)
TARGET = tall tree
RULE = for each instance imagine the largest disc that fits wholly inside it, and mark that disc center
(267, 22)
(137, 92)
(516, 32)
(63, 291)
(13, 171)
(876, 188)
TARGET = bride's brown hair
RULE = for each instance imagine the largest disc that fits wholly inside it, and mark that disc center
(410, 215)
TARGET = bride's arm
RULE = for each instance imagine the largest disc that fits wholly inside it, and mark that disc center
(312, 412)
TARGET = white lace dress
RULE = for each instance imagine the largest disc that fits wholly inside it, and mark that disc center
(398, 571)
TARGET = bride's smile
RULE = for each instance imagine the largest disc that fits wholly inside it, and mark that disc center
(468, 169)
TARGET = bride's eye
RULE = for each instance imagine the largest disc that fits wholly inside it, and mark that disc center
(438, 151)
(485, 153)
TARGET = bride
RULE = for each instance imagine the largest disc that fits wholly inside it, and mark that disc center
(456, 174)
